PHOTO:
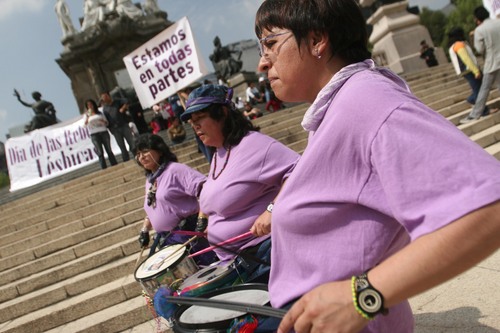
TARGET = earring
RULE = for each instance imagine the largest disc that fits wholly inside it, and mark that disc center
(317, 54)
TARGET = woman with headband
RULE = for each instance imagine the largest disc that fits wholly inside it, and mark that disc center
(246, 173)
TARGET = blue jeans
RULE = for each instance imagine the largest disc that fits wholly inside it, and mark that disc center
(475, 86)
(489, 79)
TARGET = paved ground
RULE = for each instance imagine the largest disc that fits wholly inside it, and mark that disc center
(469, 303)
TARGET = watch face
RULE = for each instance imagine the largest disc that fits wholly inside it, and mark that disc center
(270, 208)
(370, 301)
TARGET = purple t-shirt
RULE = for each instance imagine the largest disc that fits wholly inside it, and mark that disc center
(380, 170)
(176, 196)
(251, 179)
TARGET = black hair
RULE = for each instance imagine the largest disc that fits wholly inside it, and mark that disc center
(342, 20)
(481, 13)
(235, 125)
(456, 34)
(94, 104)
(148, 141)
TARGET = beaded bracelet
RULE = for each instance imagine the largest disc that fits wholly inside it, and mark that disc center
(355, 301)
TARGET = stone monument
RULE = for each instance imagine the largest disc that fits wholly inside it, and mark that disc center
(224, 63)
(110, 29)
(396, 37)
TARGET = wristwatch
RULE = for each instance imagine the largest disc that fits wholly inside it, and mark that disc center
(270, 207)
(368, 299)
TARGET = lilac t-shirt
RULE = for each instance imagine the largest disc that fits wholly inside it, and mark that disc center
(381, 169)
(251, 179)
(176, 196)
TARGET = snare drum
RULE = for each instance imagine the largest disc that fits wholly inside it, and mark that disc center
(217, 275)
(164, 267)
(193, 318)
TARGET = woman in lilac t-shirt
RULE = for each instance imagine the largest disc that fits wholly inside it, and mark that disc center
(388, 200)
(171, 200)
(246, 173)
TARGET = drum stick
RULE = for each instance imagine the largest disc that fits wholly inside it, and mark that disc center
(180, 248)
(230, 240)
(140, 256)
(189, 233)
(228, 305)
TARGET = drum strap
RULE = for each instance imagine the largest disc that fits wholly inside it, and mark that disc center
(228, 305)
(256, 253)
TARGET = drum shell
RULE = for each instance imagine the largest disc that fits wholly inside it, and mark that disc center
(212, 327)
(180, 269)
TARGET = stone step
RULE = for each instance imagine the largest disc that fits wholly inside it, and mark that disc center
(62, 290)
(45, 277)
(494, 150)
(480, 125)
(60, 195)
(488, 137)
(77, 307)
(123, 316)
(69, 247)
(86, 216)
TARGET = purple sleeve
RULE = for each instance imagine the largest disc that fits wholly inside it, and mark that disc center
(278, 163)
(432, 173)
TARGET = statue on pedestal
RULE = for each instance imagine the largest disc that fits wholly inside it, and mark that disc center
(151, 7)
(62, 12)
(222, 60)
(45, 113)
(93, 12)
(127, 8)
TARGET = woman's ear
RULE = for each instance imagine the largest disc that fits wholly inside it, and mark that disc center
(318, 43)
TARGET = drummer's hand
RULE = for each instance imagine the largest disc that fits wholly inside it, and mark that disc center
(327, 308)
(144, 238)
(262, 225)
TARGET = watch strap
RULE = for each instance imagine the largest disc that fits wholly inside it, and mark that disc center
(367, 300)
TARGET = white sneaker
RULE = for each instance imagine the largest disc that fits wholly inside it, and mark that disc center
(467, 120)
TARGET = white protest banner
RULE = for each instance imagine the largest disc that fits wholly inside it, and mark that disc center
(49, 152)
(493, 7)
(165, 64)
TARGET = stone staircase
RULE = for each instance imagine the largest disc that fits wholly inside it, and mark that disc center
(68, 251)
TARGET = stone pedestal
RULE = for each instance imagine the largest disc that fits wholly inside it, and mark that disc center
(396, 39)
(92, 58)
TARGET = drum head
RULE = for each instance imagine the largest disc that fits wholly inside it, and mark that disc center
(206, 319)
(211, 273)
(160, 261)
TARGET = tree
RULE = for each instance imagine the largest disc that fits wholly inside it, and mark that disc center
(434, 21)
(439, 25)
(463, 15)
(4, 180)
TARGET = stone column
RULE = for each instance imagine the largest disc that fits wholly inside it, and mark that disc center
(396, 38)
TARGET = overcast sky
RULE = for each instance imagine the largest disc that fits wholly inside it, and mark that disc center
(31, 36)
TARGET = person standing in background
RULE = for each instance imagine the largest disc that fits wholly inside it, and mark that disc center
(427, 53)
(97, 125)
(116, 114)
(465, 63)
(487, 43)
